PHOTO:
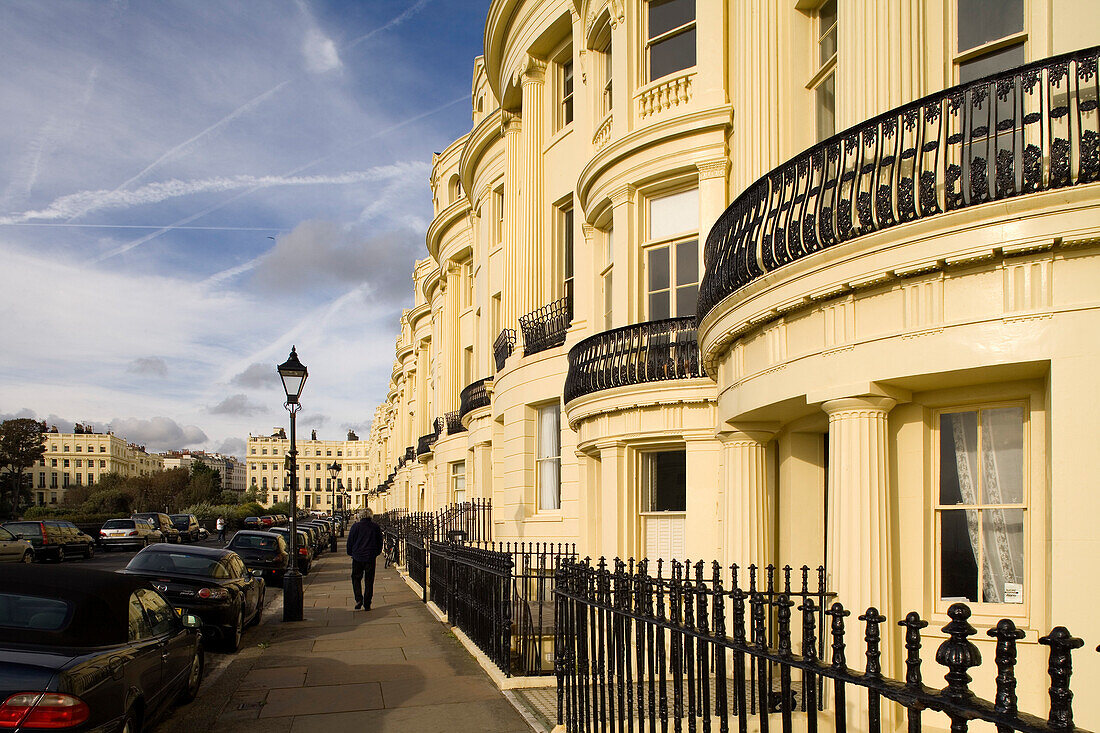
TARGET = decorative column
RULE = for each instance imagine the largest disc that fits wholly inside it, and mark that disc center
(712, 197)
(531, 291)
(857, 535)
(756, 88)
(513, 220)
(616, 504)
(625, 273)
(453, 353)
(749, 509)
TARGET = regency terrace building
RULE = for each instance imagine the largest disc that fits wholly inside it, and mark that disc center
(775, 281)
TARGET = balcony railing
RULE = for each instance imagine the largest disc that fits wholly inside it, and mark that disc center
(644, 352)
(475, 395)
(504, 346)
(425, 442)
(545, 327)
(410, 454)
(454, 423)
(1030, 129)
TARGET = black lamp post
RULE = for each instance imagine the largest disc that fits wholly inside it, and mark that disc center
(333, 472)
(293, 373)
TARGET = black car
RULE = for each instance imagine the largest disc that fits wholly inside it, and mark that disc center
(305, 552)
(317, 537)
(188, 526)
(162, 522)
(210, 582)
(91, 650)
(265, 552)
(53, 539)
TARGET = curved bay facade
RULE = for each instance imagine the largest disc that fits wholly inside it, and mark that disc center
(805, 283)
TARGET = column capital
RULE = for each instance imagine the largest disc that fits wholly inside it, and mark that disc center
(509, 123)
(589, 231)
(534, 72)
(865, 404)
(747, 435)
(713, 169)
(622, 195)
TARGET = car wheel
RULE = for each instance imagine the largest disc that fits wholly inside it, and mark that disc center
(61, 554)
(256, 617)
(28, 557)
(233, 638)
(89, 553)
(194, 677)
(130, 723)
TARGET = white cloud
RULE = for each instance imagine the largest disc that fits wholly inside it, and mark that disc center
(237, 404)
(157, 433)
(320, 52)
(152, 366)
(255, 376)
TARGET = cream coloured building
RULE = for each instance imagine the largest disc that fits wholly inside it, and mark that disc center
(80, 459)
(268, 474)
(768, 282)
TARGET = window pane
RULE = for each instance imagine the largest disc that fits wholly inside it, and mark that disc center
(686, 299)
(674, 214)
(687, 262)
(1003, 455)
(1003, 556)
(958, 555)
(668, 477)
(657, 264)
(825, 94)
(549, 431)
(959, 458)
(672, 54)
(826, 28)
(664, 15)
(982, 21)
(658, 306)
(991, 63)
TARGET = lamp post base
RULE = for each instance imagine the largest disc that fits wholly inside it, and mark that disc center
(292, 595)
(332, 541)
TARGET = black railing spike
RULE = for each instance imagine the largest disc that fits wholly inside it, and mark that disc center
(757, 602)
(752, 578)
(1060, 666)
(820, 578)
(771, 579)
(784, 603)
(872, 638)
(837, 613)
(809, 637)
(738, 616)
(787, 579)
(1006, 634)
(912, 625)
(958, 653)
(734, 581)
(805, 579)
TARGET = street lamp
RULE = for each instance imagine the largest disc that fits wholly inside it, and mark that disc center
(293, 373)
(333, 472)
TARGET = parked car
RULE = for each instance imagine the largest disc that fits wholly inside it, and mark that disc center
(267, 521)
(128, 533)
(162, 522)
(266, 552)
(204, 534)
(14, 549)
(305, 551)
(188, 526)
(53, 539)
(210, 582)
(320, 536)
(251, 523)
(91, 650)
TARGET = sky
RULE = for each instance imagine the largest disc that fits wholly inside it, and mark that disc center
(190, 187)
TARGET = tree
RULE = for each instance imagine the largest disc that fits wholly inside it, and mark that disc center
(21, 446)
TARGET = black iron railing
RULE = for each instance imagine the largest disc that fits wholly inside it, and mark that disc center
(479, 600)
(439, 574)
(643, 352)
(504, 346)
(633, 647)
(454, 423)
(416, 561)
(410, 454)
(425, 442)
(474, 395)
(1025, 130)
(545, 327)
(533, 607)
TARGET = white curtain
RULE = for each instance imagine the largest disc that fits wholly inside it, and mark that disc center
(549, 457)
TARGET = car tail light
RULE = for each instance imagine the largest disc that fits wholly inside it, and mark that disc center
(216, 594)
(303, 551)
(133, 533)
(45, 539)
(102, 533)
(42, 710)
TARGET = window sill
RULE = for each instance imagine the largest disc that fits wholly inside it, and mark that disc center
(546, 517)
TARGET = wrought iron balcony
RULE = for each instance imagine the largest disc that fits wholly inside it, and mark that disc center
(475, 395)
(545, 327)
(454, 423)
(1030, 129)
(410, 454)
(644, 352)
(425, 442)
(504, 346)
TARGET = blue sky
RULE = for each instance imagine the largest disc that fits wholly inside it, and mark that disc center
(187, 188)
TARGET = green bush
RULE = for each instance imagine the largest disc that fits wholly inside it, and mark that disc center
(280, 507)
(111, 501)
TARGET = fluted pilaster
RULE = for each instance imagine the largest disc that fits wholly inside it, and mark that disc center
(531, 281)
(748, 503)
(513, 219)
(453, 306)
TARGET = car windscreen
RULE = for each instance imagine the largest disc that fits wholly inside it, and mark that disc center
(18, 611)
(119, 524)
(253, 542)
(178, 562)
(24, 529)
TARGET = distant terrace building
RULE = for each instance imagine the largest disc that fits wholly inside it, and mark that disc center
(80, 459)
(267, 470)
(233, 472)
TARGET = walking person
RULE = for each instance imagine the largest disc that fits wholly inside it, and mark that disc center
(364, 546)
(220, 524)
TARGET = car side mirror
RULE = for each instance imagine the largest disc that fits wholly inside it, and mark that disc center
(191, 621)
(257, 573)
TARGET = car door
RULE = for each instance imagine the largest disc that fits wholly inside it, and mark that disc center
(146, 665)
(250, 587)
(175, 646)
(9, 547)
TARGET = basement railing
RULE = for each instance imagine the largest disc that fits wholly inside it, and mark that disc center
(643, 352)
(1029, 129)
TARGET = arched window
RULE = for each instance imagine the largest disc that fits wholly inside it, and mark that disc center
(454, 188)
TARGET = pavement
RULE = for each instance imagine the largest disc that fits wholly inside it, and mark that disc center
(393, 668)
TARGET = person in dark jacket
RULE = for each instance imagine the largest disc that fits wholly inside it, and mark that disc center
(364, 545)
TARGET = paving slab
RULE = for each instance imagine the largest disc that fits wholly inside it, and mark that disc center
(477, 716)
(329, 698)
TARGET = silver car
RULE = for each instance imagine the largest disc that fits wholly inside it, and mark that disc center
(14, 549)
(128, 532)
